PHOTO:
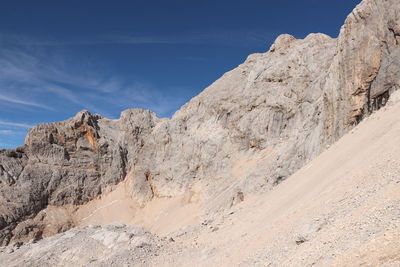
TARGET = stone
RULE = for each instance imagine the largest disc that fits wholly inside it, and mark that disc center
(63, 163)
(247, 132)
(87, 246)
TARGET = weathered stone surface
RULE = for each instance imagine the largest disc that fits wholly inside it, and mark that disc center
(367, 62)
(68, 162)
(247, 132)
(111, 245)
(265, 119)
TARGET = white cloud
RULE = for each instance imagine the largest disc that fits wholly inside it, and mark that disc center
(39, 77)
(240, 37)
(6, 132)
(23, 102)
(30, 75)
(15, 124)
(146, 96)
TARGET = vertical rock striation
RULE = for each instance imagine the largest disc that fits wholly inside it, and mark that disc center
(244, 134)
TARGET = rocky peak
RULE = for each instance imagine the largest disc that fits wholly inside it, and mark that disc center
(243, 135)
(282, 43)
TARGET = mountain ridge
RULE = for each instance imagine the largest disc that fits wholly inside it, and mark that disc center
(242, 136)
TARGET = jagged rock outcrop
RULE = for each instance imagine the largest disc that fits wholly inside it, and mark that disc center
(247, 132)
(366, 68)
(68, 162)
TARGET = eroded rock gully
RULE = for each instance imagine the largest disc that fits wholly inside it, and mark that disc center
(248, 131)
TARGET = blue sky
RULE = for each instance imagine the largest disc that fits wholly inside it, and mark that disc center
(59, 57)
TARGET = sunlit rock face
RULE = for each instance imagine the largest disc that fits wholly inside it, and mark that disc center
(243, 135)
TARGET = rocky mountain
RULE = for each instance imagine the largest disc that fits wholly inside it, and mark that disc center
(241, 137)
(341, 209)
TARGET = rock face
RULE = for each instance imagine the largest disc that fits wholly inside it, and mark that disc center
(247, 132)
(329, 213)
(68, 162)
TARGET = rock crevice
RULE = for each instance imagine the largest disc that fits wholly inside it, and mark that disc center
(247, 132)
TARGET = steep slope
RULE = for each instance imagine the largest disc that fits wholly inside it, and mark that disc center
(243, 135)
(341, 209)
(280, 109)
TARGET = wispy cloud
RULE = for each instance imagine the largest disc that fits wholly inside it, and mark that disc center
(6, 132)
(192, 58)
(30, 78)
(145, 95)
(40, 78)
(28, 75)
(15, 124)
(12, 133)
(23, 102)
(215, 37)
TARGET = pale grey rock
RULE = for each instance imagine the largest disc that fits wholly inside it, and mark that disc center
(262, 121)
(309, 231)
(109, 245)
(68, 162)
(244, 134)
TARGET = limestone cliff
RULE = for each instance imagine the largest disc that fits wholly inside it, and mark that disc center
(244, 134)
